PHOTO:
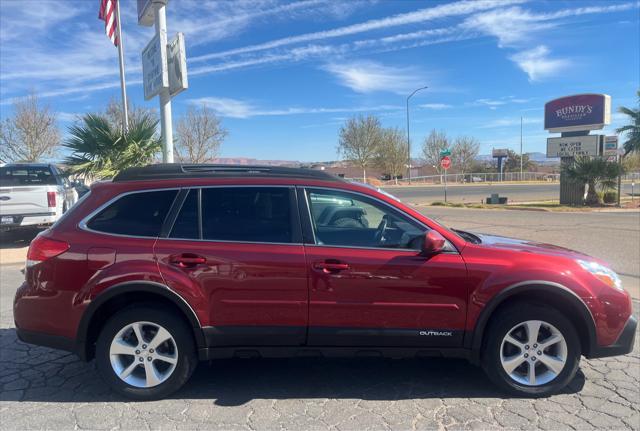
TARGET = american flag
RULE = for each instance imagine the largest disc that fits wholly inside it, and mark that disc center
(108, 15)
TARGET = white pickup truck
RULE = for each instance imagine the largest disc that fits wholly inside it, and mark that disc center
(32, 195)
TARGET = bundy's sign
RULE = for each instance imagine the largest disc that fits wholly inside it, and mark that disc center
(579, 112)
(154, 67)
(177, 62)
(573, 146)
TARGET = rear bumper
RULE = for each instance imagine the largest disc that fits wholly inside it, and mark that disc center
(47, 340)
(28, 220)
(622, 346)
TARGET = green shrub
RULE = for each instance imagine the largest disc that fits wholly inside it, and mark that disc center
(610, 197)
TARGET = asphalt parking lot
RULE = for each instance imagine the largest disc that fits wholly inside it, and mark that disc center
(42, 388)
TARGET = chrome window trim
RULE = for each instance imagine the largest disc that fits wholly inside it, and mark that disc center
(83, 223)
(453, 250)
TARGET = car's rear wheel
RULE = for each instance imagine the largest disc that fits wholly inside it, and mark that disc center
(145, 352)
(531, 350)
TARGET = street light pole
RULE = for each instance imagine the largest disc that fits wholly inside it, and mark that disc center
(408, 136)
(521, 148)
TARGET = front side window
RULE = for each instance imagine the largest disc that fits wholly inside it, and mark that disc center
(347, 219)
(247, 214)
(136, 214)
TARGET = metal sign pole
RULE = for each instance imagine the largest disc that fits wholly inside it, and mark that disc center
(445, 186)
(123, 86)
(165, 98)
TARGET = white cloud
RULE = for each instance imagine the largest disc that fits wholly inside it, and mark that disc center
(234, 108)
(491, 102)
(435, 106)
(464, 7)
(508, 122)
(537, 63)
(513, 26)
(368, 77)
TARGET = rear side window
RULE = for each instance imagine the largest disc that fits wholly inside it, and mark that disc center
(250, 214)
(136, 214)
(186, 224)
(26, 176)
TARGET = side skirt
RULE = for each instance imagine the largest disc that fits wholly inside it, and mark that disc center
(250, 352)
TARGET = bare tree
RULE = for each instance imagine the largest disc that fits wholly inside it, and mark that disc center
(392, 152)
(359, 140)
(137, 114)
(464, 152)
(200, 135)
(432, 146)
(32, 132)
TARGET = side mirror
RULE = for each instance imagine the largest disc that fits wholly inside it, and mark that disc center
(433, 243)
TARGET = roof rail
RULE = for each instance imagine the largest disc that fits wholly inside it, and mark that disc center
(182, 170)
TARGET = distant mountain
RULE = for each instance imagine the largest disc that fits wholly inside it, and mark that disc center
(250, 161)
(535, 156)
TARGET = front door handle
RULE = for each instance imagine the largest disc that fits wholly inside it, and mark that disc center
(187, 260)
(329, 267)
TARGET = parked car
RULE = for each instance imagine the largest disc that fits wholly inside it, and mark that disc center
(168, 264)
(33, 194)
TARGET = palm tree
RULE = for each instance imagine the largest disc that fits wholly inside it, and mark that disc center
(99, 149)
(593, 171)
(632, 130)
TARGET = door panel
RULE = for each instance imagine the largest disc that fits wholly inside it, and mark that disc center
(244, 253)
(256, 293)
(386, 298)
(368, 286)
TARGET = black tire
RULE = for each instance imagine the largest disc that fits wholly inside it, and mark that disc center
(179, 330)
(508, 319)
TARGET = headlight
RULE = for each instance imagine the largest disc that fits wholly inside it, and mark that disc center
(601, 272)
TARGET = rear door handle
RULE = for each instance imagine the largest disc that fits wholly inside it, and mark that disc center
(187, 260)
(331, 267)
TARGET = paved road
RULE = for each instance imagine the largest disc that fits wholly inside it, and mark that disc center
(43, 388)
(477, 193)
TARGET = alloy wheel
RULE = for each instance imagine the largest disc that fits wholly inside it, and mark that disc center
(143, 354)
(533, 353)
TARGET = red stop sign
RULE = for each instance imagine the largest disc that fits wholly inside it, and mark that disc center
(445, 162)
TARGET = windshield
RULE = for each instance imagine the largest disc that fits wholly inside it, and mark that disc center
(26, 176)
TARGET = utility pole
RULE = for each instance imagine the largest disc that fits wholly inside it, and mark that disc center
(408, 137)
(165, 97)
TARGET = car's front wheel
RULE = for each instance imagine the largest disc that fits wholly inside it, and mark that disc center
(531, 350)
(145, 352)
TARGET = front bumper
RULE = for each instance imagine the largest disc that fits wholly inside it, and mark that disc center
(622, 346)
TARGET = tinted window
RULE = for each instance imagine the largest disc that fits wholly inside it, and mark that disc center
(347, 219)
(139, 214)
(260, 214)
(26, 176)
(186, 224)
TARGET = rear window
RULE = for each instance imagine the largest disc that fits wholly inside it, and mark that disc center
(11, 176)
(248, 214)
(136, 214)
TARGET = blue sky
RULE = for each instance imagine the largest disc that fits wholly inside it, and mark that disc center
(285, 75)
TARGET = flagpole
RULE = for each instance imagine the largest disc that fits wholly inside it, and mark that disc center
(123, 87)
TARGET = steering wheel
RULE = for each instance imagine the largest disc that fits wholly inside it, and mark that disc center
(382, 227)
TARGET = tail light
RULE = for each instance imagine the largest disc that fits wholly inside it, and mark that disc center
(43, 248)
(51, 199)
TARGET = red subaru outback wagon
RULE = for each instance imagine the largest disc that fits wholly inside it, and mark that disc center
(168, 264)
